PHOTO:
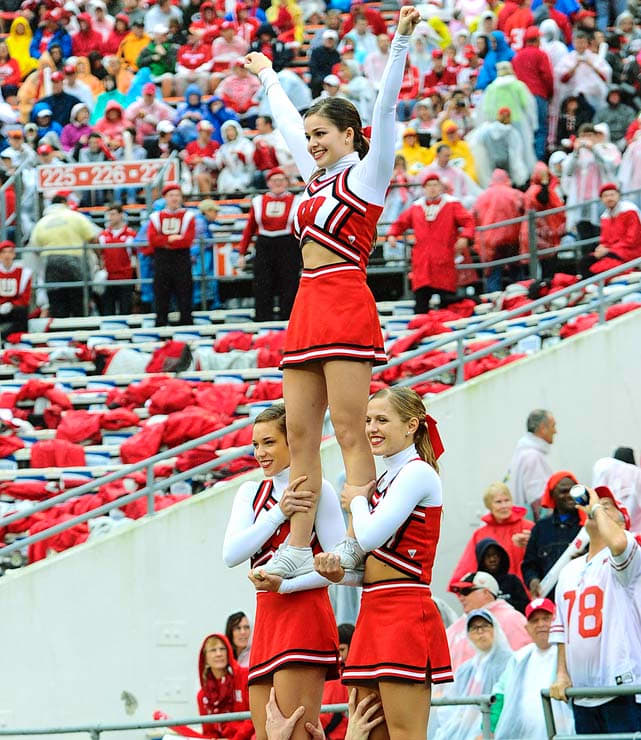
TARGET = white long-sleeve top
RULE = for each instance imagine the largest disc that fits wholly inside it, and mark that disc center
(244, 536)
(369, 177)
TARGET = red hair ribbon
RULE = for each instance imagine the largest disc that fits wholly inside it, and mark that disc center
(435, 437)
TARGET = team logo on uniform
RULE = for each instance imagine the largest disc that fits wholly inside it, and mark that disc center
(170, 226)
(8, 287)
(275, 208)
(351, 238)
(411, 553)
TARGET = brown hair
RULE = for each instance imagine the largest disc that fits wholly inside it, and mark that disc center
(209, 643)
(276, 412)
(343, 115)
(409, 405)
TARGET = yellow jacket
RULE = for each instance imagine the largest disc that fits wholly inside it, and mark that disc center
(460, 150)
(18, 45)
(130, 48)
(416, 157)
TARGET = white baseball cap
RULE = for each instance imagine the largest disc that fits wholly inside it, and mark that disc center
(331, 80)
(165, 127)
(476, 581)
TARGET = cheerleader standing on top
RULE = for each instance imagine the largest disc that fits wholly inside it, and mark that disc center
(295, 643)
(334, 335)
(399, 647)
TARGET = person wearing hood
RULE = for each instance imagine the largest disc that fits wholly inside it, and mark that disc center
(87, 39)
(112, 125)
(461, 153)
(116, 35)
(357, 89)
(492, 558)
(497, 145)
(234, 159)
(476, 676)
(227, 47)
(193, 65)
(217, 114)
(192, 110)
(18, 43)
(102, 21)
(111, 93)
(551, 535)
(268, 43)
(499, 51)
(443, 230)
(500, 202)
(416, 156)
(133, 44)
(504, 523)
(50, 32)
(223, 688)
(543, 195)
(77, 131)
(616, 114)
(529, 468)
(623, 477)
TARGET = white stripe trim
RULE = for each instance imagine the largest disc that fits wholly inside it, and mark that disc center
(342, 191)
(352, 673)
(311, 354)
(398, 561)
(329, 271)
(325, 239)
(384, 586)
(337, 217)
(290, 657)
(442, 674)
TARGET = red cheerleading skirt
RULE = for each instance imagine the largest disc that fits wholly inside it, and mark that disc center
(299, 627)
(334, 318)
(399, 636)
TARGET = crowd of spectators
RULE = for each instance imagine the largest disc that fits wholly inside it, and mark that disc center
(507, 107)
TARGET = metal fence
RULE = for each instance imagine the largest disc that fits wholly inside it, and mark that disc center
(605, 692)
(483, 702)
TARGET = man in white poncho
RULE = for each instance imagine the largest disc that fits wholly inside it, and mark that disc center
(518, 712)
(583, 71)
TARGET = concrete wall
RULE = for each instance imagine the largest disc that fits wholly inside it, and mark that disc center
(129, 612)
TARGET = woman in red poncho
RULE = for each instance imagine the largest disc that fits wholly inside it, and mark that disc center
(223, 688)
(504, 523)
(543, 195)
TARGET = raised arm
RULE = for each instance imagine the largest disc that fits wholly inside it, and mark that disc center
(376, 168)
(288, 120)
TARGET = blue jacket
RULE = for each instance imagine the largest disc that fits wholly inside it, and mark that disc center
(502, 53)
(196, 112)
(60, 37)
(217, 119)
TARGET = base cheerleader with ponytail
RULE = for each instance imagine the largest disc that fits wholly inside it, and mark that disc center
(399, 646)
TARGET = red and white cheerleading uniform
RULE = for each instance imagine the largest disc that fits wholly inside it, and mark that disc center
(399, 632)
(598, 619)
(15, 284)
(296, 625)
(334, 315)
(117, 261)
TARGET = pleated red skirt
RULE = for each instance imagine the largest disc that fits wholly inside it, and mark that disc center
(334, 318)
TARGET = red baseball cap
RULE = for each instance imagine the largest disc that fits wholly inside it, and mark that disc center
(171, 186)
(504, 110)
(45, 149)
(69, 69)
(207, 6)
(149, 88)
(544, 605)
(546, 500)
(431, 177)
(605, 492)
(6, 244)
(532, 32)
(227, 25)
(274, 171)
(57, 77)
(608, 186)
(469, 51)
(437, 53)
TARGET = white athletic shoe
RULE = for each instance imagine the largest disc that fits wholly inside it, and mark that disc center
(289, 561)
(351, 554)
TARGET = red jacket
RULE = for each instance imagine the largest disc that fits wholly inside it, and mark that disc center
(436, 226)
(10, 73)
(446, 78)
(192, 57)
(15, 284)
(501, 532)
(229, 694)
(163, 224)
(374, 20)
(410, 83)
(117, 261)
(532, 66)
(505, 12)
(84, 43)
(499, 202)
(515, 26)
(621, 234)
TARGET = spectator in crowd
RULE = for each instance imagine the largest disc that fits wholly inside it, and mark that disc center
(238, 632)
(15, 291)
(192, 110)
(474, 677)
(499, 51)
(202, 255)
(160, 15)
(622, 476)
(49, 32)
(551, 535)
(277, 260)
(23, 152)
(18, 43)
(111, 93)
(117, 34)
(335, 692)
(583, 71)
(228, 47)
(171, 234)
(504, 523)
(270, 137)
(60, 103)
(500, 202)
(480, 590)
(363, 39)
(542, 195)
(200, 156)
(47, 127)
(416, 156)
(193, 64)
(77, 87)
(146, 112)
(322, 60)
(424, 123)
(77, 131)
(217, 114)
(575, 111)
(160, 57)
(234, 159)
(620, 239)
(268, 43)
(454, 179)
(493, 559)
(532, 66)
(376, 60)
(616, 114)
(66, 231)
(439, 75)
(529, 469)
(87, 38)
(239, 92)
(10, 76)
(596, 628)
(117, 299)
(443, 230)
(132, 45)
(357, 89)
(223, 688)
(518, 711)
(112, 125)
(461, 153)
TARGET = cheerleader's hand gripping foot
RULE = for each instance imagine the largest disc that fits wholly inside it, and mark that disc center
(351, 555)
(289, 562)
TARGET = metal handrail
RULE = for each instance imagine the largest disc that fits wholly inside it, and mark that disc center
(16, 180)
(588, 693)
(484, 702)
(173, 157)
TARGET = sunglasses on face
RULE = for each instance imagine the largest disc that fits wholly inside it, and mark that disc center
(465, 591)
